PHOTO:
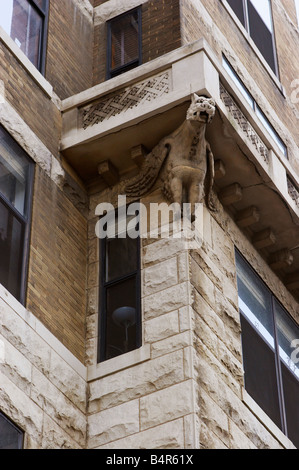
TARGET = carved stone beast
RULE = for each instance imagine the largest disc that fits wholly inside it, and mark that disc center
(187, 158)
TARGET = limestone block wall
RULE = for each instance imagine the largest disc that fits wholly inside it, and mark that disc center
(227, 416)
(184, 387)
(145, 399)
(42, 385)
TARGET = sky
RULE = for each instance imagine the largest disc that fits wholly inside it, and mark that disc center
(6, 14)
(263, 8)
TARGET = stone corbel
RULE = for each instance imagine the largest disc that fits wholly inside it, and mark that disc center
(108, 172)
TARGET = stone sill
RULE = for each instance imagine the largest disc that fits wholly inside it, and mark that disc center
(266, 421)
(43, 84)
(246, 35)
(119, 363)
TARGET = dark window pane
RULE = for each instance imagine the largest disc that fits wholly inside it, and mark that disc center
(26, 29)
(10, 436)
(261, 35)
(14, 166)
(291, 397)
(124, 40)
(255, 300)
(121, 257)
(11, 251)
(237, 6)
(41, 4)
(121, 318)
(260, 371)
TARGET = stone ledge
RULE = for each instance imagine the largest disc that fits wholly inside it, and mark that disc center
(25, 62)
(119, 363)
(266, 421)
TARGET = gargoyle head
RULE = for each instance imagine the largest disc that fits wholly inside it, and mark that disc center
(202, 109)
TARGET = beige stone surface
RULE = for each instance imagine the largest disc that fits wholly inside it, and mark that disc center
(166, 405)
(114, 423)
(169, 435)
(135, 382)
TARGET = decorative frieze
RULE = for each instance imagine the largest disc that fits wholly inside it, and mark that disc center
(127, 98)
(244, 124)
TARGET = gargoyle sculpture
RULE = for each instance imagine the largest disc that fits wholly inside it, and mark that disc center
(187, 157)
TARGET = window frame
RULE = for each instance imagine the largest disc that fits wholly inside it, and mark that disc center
(130, 65)
(255, 107)
(24, 220)
(275, 305)
(246, 26)
(43, 13)
(20, 432)
(103, 288)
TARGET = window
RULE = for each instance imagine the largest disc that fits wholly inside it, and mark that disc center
(11, 437)
(25, 22)
(120, 313)
(297, 10)
(270, 129)
(256, 17)
(16, 175)
(124, 43)
(270, 358)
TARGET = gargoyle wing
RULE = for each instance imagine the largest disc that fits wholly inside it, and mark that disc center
(149, 171)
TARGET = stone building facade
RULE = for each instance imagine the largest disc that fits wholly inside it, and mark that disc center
(111, 80)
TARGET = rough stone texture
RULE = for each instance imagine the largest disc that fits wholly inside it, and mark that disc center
(166, 405)
(166, 436)
(137, 381)
(39, 389)
(114, 423)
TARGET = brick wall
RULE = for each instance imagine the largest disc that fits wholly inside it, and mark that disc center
(57, 265)
(160, 34)
(29, 100)
(69, 49)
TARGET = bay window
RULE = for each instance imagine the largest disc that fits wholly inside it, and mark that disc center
(270, 340)
(256, 17)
